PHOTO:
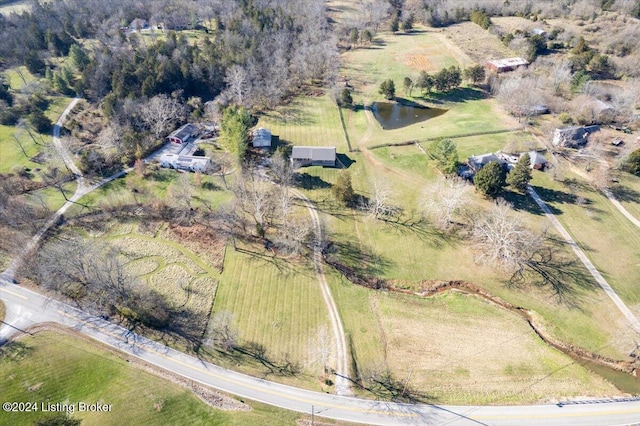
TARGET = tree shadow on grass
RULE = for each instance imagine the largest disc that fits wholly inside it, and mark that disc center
(524, 202)
(556, 197)
(413, 224)
(624, 193)
(308, 182)
(459, 95)
(356, 262)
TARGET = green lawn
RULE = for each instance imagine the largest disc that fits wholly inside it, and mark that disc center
(309, 120)
(275, 303)
(628, 193)
(608, 238)
(52, 367)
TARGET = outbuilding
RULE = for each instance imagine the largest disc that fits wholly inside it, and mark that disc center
(313, 156)
(507, 64)
(184, 134)
(261, 138)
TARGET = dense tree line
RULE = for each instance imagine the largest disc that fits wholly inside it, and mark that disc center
(281, 44)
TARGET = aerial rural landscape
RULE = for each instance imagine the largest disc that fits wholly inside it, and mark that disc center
(278, 212)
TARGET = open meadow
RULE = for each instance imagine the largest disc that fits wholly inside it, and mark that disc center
(52, 367)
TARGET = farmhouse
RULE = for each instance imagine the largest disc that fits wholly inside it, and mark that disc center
(508, 64)
(476, 162)
(186, 162)
(573, 137)
(184, 134)
(313, 156)
(538, 162)
(261, 138)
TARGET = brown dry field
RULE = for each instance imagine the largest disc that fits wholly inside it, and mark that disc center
(480, 45)
(460, 349)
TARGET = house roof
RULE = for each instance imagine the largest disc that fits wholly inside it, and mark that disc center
(508, 62)
(484, 159)
(262, 134)
(536, 158)
(314, 153)
(185, 131)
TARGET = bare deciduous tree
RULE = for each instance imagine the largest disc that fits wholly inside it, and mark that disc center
(321, 348)
(222, 331)
(160, 114)
(238, 80)
(502, 240)
(381, 202)
(445, 201)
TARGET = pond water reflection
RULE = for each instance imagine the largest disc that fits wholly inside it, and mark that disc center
(395, 115)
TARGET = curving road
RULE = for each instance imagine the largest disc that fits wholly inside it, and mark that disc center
(26, 308)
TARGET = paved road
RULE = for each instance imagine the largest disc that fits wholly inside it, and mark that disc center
(633, 320)
(26, 308)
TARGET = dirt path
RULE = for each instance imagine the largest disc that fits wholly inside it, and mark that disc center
(82, 189)
(633, 320)
(342, 382)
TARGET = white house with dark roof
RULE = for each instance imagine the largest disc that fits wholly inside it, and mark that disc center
(189, 163)
(313, 156)
(261, 138)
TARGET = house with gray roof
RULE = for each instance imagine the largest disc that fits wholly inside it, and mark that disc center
(313, 156)
(537, 161)
(476, 162)
(573, 137)
(191, 163)
(261, 138)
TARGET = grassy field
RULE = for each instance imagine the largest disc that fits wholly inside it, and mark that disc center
(400, 56)
(182, 270)
(628, 193)
(52, 367)
(609, 239)
(312, 120)
(274, 302)
(463, 350)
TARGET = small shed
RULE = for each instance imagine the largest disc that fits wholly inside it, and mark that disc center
(184, 134)
(573, 137)
(261, 138)
(507, 64)
(313, 156)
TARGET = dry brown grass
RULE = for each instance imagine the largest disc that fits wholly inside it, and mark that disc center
(477, 43)
(460, 349)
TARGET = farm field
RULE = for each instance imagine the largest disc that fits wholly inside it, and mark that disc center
(463, 350)
(59, 367)
(479, 44)
(609, 239)
(276, 304)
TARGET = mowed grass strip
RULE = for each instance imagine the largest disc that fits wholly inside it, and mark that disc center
(462, 350)
(275, 303)
(628, 193)
(52, 367)
(308, 120)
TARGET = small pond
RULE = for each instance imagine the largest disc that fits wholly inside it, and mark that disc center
(395, 115)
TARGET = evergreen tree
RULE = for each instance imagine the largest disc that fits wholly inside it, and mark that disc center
(345, 99)
(342, 189)
(520, 176)
(475, 73)
(234, 130)
(632, 163)
(490, 179)
(445, 153)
